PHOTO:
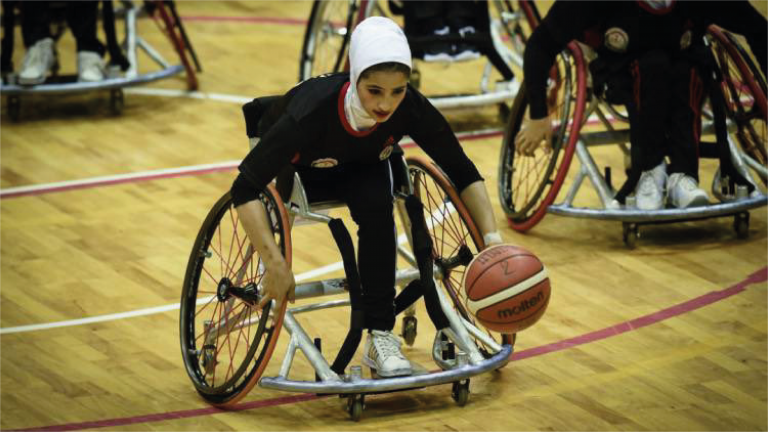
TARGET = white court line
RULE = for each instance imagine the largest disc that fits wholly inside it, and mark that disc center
(338, 265)
(115, 179)
(147, 91)
(142, 312)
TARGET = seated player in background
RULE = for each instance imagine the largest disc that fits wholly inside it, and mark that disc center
(648, 58)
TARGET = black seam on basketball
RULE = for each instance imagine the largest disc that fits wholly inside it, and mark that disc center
(543, 303)
(469, 289)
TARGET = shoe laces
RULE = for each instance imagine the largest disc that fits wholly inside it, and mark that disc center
(35, 54)
(647, 184)
(387, 344)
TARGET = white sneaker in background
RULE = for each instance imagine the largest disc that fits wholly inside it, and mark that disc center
(38, 61)
(683, 191)
(90, 66)
(650, 188)
(382, 352)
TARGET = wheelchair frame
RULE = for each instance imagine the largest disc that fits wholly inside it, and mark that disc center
(575, 140)
(166, 17)
(457, 366)
(506, 25)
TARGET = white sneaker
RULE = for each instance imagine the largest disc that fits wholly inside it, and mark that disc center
(649, 193)
(683, 191)
(382, 352)
(39, 59)
(90, 66)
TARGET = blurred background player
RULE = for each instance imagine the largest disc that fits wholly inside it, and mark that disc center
(648, 58)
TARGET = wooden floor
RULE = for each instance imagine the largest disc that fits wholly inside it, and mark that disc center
(670, 336)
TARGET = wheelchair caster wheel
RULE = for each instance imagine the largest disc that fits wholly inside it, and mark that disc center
(14, 108)
(116, 101)
(630, 234)
(460, 392)
(741, 225)
(355, 405)
(410, 325)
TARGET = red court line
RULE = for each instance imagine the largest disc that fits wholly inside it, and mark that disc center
(646, 320)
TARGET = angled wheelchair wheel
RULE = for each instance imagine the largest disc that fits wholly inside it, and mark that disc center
(326, 40)
(452, 231)
(529, 184)
(517, 20)
(226, 339)
(744, 89)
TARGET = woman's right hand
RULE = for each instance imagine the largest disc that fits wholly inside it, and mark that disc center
(277, 283)
(531, 136)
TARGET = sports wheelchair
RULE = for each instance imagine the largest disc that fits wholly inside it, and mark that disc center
(326, 42)
(227, 341)
(123, 66)
(736, 115)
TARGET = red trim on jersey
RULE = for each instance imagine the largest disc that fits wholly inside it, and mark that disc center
(660, 11)
(343, 117)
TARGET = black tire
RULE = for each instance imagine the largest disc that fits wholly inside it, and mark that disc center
(326, 39)
(224, 365)
(529, 184)
(450, 228)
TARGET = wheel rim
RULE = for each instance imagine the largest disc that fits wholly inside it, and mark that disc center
(226, 339)
(449, 229)
(327, 39)
(744, 98)
(527, 183)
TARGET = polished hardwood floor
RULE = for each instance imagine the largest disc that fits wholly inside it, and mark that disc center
(669, 336)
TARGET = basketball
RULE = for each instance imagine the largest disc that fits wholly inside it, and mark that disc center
(507, 288)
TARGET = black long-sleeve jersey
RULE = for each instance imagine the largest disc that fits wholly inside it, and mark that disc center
(307, 127)
(630, 28)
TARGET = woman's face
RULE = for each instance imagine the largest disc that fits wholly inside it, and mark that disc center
(381, 93)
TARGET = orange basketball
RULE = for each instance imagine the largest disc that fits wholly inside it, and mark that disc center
(507, 288)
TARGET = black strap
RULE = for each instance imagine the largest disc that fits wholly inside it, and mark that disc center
(422, 248)
(116, 56)
(357, 318)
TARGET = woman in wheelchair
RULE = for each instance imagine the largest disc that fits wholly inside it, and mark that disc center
(338, 132)
(648, 59)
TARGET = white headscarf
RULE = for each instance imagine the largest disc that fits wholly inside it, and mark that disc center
(375, 40)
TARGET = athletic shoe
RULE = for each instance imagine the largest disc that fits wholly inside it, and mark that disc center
(382, 352)
(90, 66)
(650, 189)
(683, 192)
(38, 61)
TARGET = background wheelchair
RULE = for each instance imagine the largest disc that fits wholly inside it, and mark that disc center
(123, 67)
(227, 341)
(736, 114)
(326, 42)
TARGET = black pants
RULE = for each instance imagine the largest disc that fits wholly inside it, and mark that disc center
(424, 17)
(367, 191)
(663, 93)
(80, 16)
(665, 112)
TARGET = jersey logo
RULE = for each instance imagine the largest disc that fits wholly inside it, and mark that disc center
(324, 163)
(387, 148)
(616, 40)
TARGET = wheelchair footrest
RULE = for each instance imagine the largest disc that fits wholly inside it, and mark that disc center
(364, 385)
